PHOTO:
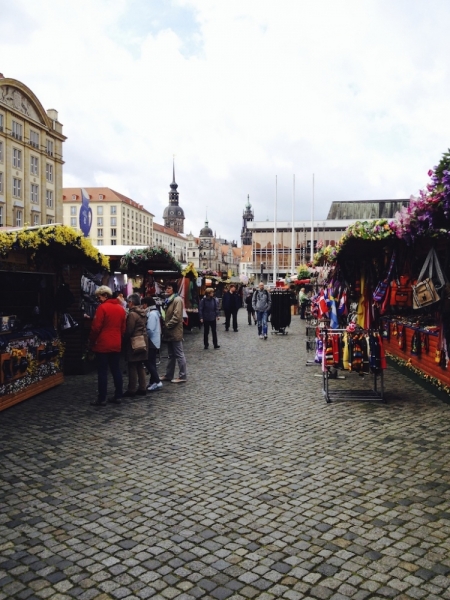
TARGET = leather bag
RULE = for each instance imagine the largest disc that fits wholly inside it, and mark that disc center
(138, 343)
(425, 292)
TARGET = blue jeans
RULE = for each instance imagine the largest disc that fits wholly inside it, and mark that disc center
(111, 359)
(261, 316)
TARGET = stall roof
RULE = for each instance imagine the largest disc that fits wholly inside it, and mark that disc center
(116, 251)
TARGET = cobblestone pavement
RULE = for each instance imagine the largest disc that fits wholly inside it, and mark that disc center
(242, 483)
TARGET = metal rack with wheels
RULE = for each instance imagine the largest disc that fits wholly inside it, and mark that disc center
(374, 367)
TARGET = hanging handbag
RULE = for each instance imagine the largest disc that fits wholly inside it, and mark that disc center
(138, 343)
(425, 292)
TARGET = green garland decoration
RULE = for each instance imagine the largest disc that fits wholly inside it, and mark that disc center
(135, 257)
(428, 378)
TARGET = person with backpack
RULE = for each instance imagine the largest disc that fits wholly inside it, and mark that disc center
(262, 303)
(208, 312)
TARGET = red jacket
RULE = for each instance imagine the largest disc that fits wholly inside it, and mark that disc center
(108, 327)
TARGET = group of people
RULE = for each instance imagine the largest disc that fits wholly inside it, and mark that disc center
(135, 331)
(258, 303)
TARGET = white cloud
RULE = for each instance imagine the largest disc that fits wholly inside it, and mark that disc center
(355, 92)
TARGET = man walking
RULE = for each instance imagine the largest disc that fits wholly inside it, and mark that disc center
(261, 303)
(231, 303)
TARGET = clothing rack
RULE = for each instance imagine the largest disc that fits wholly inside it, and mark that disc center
(280, 312)
(374, 366)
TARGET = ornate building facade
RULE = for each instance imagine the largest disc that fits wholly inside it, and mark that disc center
(247, 217)
(31, 158)
(173, 215)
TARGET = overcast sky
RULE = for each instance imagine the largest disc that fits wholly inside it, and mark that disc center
(240, 91)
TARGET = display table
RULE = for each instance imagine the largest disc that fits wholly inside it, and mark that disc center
(425, 361)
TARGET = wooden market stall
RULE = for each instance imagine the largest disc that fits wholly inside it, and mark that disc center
(40, 305)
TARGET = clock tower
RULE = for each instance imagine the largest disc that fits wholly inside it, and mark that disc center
(173, 214)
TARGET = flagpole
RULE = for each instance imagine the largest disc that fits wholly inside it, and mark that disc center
(312, 221)
(293, 229)
(275, 234)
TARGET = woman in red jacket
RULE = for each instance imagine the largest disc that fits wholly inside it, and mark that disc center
(105, 339)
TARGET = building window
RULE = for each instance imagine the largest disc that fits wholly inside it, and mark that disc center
(49, 220)
(1, 216)
(1, 122)
(49, 172)
(17, 158)
(99, 232)
(73, 221)
(113, 242)
(101, 196)
(17, 188)
(99, 210)
(34, 165)
(193, 254)
(50, 147)
(34, 193)
(1, 183)
(34, 139)
(74, 196)
(113, 210)
(73, 211)
(100, 221)
(35, 219)
(18, 218)
(49, 198)
(113, 232)
(1, 151)
(113, 220)
(16, 130)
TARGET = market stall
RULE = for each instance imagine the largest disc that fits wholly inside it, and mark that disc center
(396, 277)
(40, 273)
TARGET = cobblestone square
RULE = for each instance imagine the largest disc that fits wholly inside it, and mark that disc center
(243, 483)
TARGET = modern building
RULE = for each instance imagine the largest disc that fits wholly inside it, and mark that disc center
(116, 219)
(173, 215)
(31, 158)
(173, 242)
(293, 241)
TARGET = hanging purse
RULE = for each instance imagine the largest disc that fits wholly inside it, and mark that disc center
(425, 292)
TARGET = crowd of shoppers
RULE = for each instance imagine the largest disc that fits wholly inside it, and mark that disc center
(134, 329)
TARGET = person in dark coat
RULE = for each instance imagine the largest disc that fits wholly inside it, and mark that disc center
(136, 326)
(250, 310)
(231, 303)
(208, 312)
(105, 339)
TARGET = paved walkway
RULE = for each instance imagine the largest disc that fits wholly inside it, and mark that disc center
(243, 483)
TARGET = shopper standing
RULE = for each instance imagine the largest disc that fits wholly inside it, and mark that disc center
(208, 311)
(154, 342)
(231, 303)
(250, 311)
(261, 303)
(136, 327)
(105, 339)
(173, 334)
(303, 302)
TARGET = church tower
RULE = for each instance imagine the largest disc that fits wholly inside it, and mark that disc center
(173, 214)
(247, 216)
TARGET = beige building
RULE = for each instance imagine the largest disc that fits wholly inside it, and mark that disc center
(173, 242)
(31, 158)
(116, 219)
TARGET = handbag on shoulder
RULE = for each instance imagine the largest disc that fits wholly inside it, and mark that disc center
(138, 343)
